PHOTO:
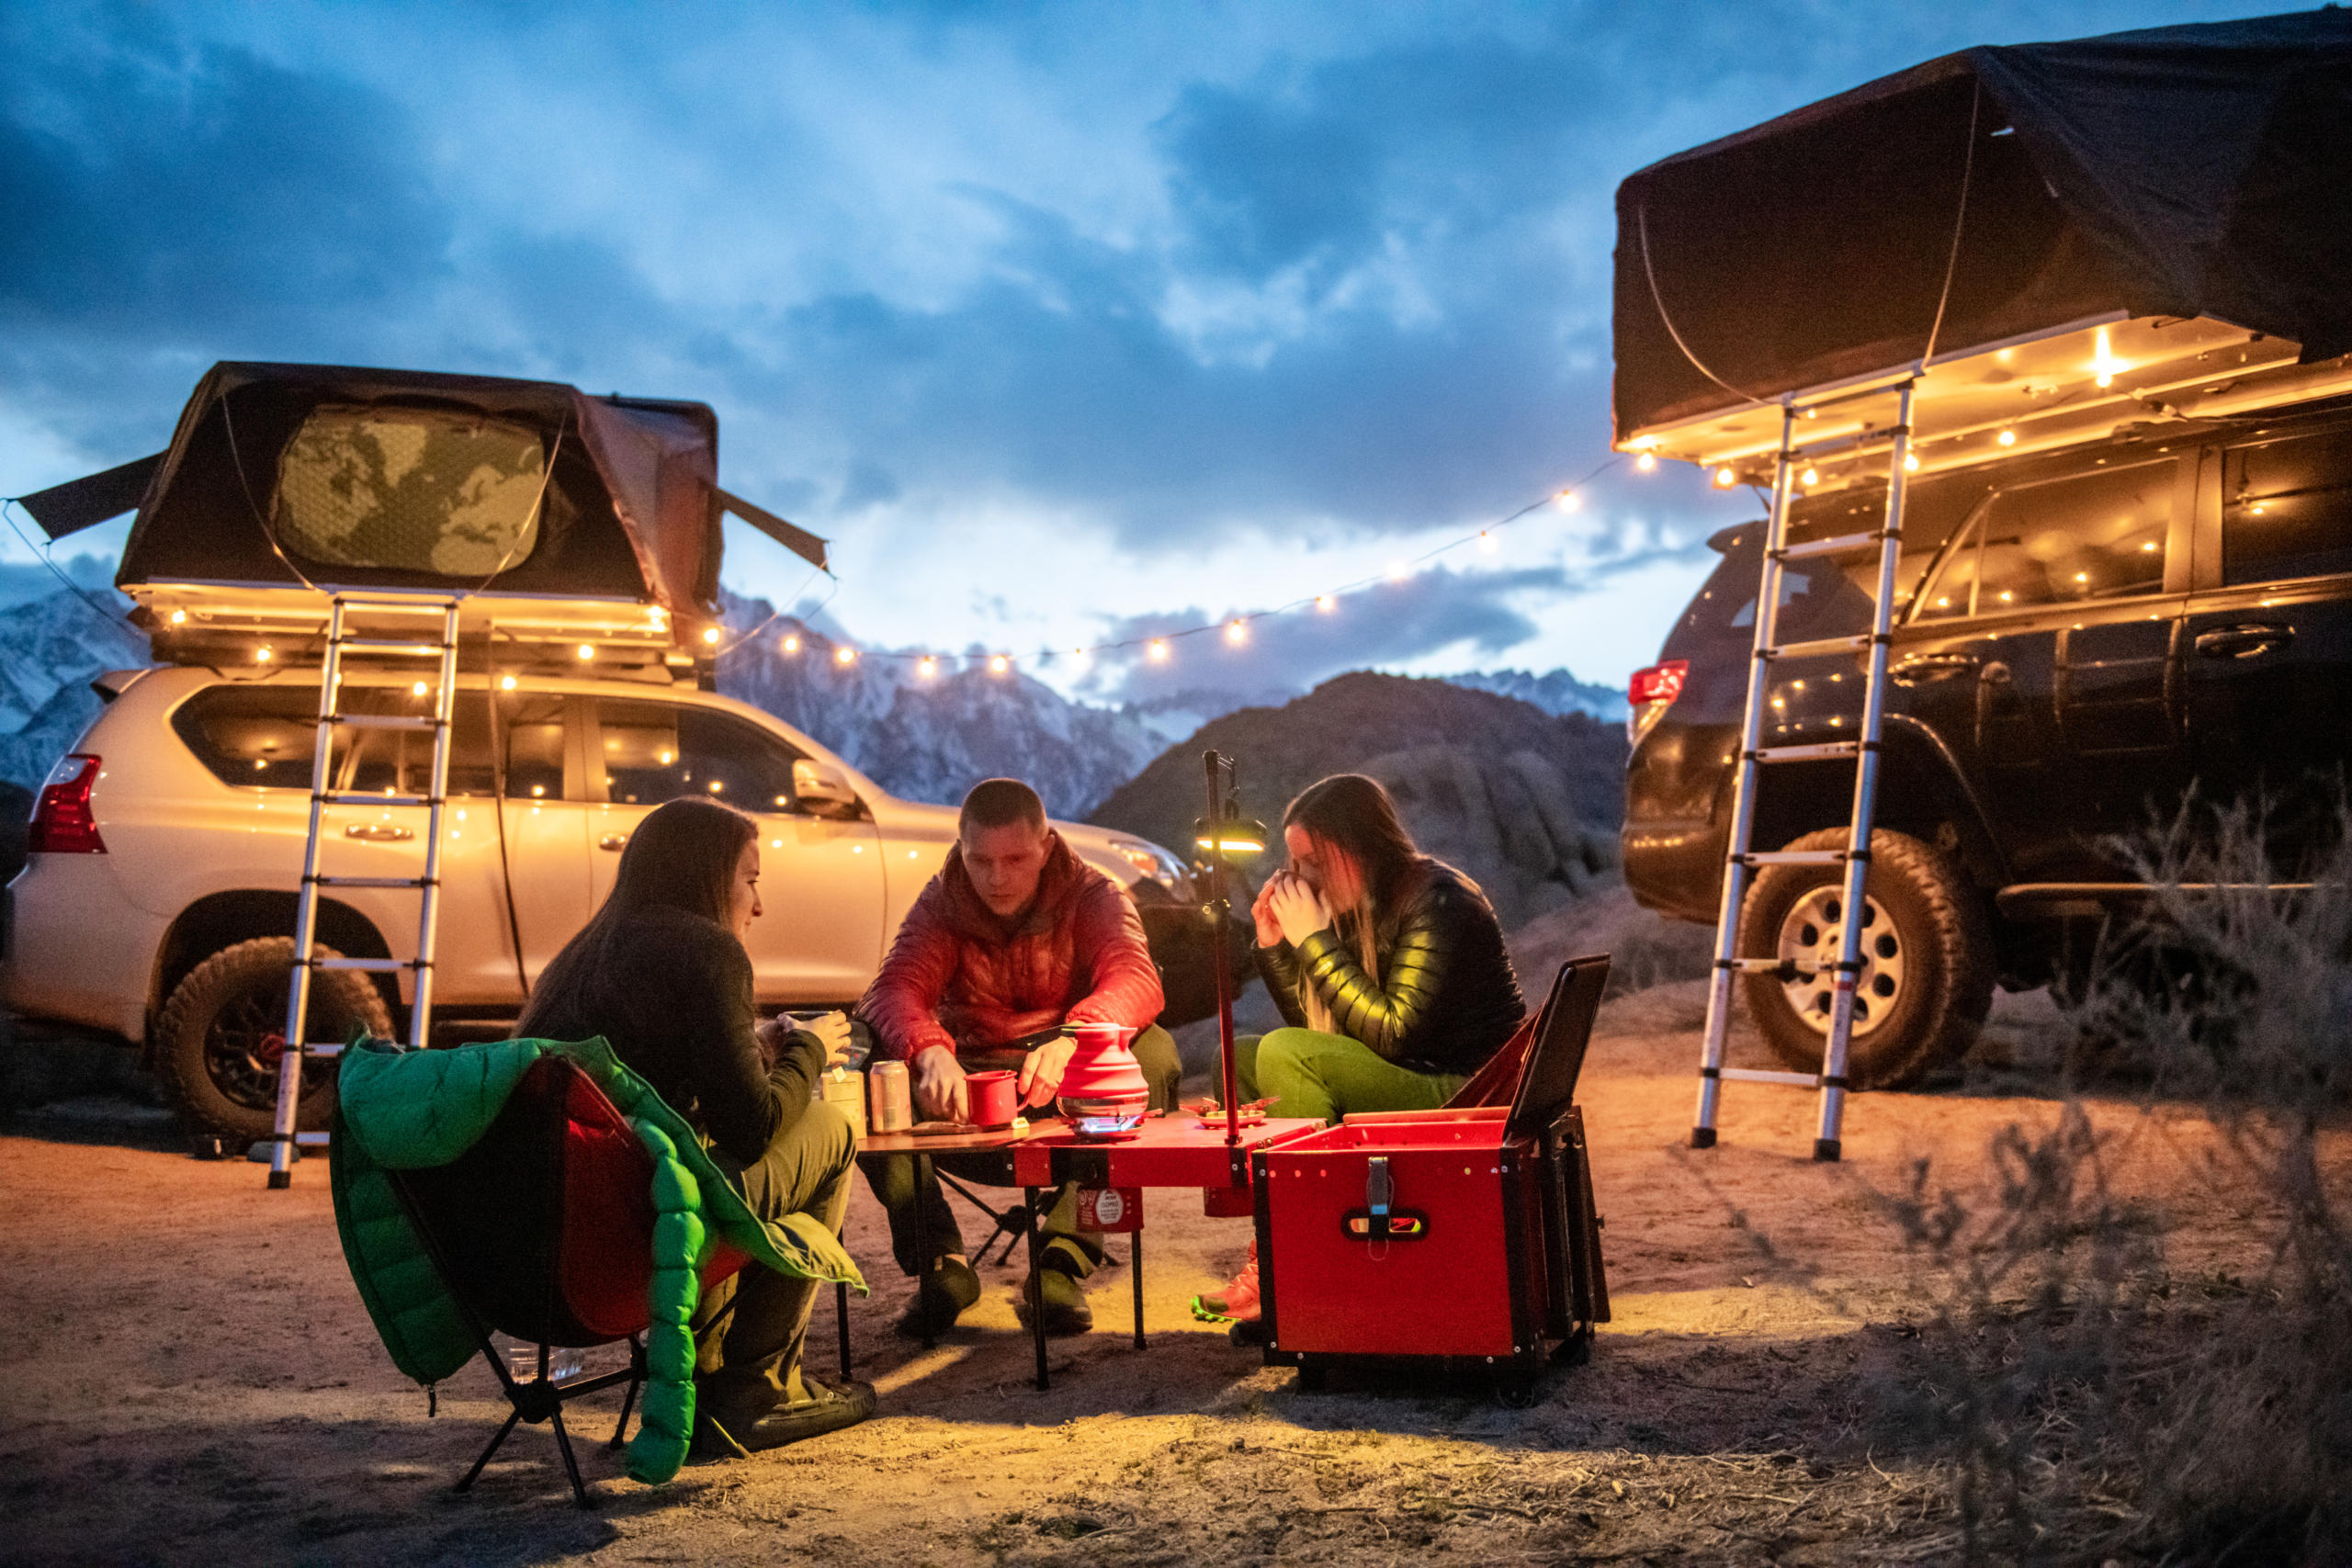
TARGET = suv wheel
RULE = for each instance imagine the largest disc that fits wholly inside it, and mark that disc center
(1926, 979)
(214, 1051)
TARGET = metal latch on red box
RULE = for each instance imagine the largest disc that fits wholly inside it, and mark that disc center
(1378, 1220)
(1115, 1210)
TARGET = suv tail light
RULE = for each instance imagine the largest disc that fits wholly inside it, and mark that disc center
(1652, 693)
(62, 822)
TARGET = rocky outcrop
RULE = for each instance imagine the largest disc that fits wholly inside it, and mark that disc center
(1507, 820)
(49, 649)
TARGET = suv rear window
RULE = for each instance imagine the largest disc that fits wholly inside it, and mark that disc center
(255, 735)
(2287, 510)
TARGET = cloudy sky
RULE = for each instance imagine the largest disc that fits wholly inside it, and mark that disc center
(1067, 324)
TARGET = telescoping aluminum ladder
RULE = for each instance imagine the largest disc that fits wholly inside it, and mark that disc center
(1740, 858)
(342, 639)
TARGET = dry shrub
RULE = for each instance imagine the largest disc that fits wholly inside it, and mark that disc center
(2092, 1403)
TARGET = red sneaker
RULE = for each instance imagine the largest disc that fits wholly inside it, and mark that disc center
(1238, 1302)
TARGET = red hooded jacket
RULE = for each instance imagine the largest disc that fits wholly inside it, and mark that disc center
(960, 976)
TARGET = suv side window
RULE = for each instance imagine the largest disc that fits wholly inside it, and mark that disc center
(2096, 536)
(252, 735)
(657, 752)
(2287, 509)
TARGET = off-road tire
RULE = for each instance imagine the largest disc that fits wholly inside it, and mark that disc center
(1938, 933)
(208, 1052)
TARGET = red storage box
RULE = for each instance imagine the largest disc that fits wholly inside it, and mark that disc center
(1462, 1238)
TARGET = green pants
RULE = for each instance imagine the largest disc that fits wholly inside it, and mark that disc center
(923, 1228)
(1327, 1075)
(748, 1328)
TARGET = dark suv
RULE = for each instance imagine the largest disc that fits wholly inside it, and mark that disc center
(2082, 638)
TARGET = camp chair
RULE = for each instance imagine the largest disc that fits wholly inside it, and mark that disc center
(544, 1231)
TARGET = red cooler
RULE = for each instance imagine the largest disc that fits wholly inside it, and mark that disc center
(1458, 1239)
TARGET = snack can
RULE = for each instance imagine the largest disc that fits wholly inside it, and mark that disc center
(892, 1095)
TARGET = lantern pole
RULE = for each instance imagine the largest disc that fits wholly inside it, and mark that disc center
(1217, 911)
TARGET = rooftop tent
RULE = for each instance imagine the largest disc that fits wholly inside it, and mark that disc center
(2199, 176)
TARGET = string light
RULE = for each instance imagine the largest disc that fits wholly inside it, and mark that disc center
(1724, 477)
(1325, 602)
(928, 668)
(1646, 461)
(1566, 501)
(2008, 438)
(1911, 462)
(1486, 542)
(845, 656)
(179, 617)
(261, 656)
(1398, 572)
(709, 634)
(999, 664)
(417, 689)
(1159, 648)
(587, 651)
(506, 682)
(1236, 631)
(792, 644)
(1810, 478)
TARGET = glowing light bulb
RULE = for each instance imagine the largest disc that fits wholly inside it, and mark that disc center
(261, 656)
(1809, 478)
(927, 667)
(1565, 501)
(1646, 461)
(587, 650)
(1236, 631)
(792, 644)
(1486, 541)
(1159, 649)
(1325, 602)
(844, 656)
(417, 689)
(506, 682)
(179, 617)
(710, 634)
(1910, 462)
(999, 664)
(1398, 572)
(2007, 438)
(1724, 477)
(2145, 548)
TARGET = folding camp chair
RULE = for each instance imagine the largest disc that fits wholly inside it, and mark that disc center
(544, 1231)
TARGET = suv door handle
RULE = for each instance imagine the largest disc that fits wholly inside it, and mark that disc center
(378, 832)
(1922, 667)
(2249, 640)
(612, 840)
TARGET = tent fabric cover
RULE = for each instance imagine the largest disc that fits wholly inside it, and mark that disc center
(2189, 170)
(637, 478)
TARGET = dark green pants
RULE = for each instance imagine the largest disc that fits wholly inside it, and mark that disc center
(749, 1329)
(923, 1227)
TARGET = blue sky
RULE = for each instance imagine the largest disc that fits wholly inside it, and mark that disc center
(1066, 324)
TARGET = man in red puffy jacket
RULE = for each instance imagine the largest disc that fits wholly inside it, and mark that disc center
(1014, 937)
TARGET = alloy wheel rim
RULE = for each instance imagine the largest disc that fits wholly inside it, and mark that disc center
(1812, 932)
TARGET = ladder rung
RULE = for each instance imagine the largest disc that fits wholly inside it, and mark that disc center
(371, 966)
(375, 881)
(438, 604)
(312, 1140)
(369, 797)
(1758, 1075)
(1807, 753)
(383, 720)
(1837, 546)
(1856, 644)
(392, 645)
(1796, 857)
(323, 1050)
(1773, 965)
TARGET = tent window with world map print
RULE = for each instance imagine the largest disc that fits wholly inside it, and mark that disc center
(410, 490)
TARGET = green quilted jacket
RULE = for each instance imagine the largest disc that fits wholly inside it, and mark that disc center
(1446, 998)
(400, 1110)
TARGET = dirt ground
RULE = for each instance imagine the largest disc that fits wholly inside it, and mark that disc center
(190, 1377)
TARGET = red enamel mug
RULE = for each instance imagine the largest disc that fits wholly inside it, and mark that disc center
(994, 1100)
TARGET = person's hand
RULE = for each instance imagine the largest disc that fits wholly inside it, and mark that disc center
(1261, 911)
(769, 1035)
(938, 1080)
(1042, 1070)
(1297, 908)
(832, 1032)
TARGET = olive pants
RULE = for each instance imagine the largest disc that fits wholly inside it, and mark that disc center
(1327, 1075)
(748, 1328)
(923, 1227)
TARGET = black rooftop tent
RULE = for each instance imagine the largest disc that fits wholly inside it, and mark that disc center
(1989, 197)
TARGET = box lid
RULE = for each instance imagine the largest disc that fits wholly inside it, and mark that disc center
(1547, 1080)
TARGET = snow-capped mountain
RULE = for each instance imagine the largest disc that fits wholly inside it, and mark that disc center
(50, 647)
(1556, 692)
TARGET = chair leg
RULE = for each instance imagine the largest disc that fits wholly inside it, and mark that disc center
(570, 1465)
(471, 1476)
(636, 1380)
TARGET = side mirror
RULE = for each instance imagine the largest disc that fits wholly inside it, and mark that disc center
(820, 790)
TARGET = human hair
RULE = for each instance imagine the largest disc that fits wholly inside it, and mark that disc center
(682, 856)
(1354, 815)
(1000, 802)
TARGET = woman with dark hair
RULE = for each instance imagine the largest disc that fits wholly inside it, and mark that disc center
(661, 974)
(1389, 969)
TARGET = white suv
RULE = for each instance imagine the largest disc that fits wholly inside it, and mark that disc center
(158, 899)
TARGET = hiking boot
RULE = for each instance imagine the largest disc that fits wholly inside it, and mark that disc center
(828, 1407)
(943, 1293)
(1065, 1311)
(1238, 1302)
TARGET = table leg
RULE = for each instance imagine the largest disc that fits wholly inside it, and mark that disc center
(922, 1299)
(1037, 1307)
(1135, 1267)
(841, 1316)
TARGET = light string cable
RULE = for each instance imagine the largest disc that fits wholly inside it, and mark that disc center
(774, 615)
(1157, 643)
(40, 553)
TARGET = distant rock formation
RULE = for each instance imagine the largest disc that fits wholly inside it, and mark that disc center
(1526, 802)
(1556, 692)
(932, 738)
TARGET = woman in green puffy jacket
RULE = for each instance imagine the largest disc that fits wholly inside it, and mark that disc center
(1389, 969)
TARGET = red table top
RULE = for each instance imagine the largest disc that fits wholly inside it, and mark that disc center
(1166, 1151)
